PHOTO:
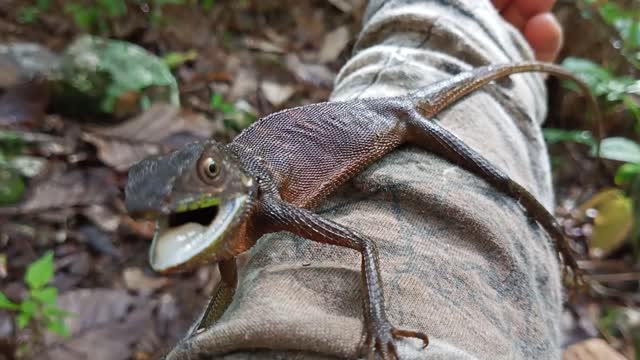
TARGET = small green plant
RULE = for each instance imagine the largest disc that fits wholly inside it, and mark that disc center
(39, 307)
(96, 15)
(30, 13)
(625, 21)
(175, 59)
(207, 5)
(217, 103)
(12, 185)
(618, 216)
(236, 117)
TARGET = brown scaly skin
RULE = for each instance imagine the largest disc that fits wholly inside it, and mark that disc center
(298, 156)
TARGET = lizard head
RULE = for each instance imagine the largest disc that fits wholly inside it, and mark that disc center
(200, 197)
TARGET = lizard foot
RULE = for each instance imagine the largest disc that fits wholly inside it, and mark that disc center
(381, 340)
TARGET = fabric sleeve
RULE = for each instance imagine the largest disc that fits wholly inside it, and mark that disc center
(460, 261)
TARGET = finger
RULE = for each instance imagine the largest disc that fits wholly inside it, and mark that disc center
(529, 8)
(545, 36)
(501, 4)
(514, 16)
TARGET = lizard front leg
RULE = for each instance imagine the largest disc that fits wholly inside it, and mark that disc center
(222, 296)
(381, 335)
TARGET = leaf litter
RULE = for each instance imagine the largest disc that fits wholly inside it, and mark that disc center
(257, 58)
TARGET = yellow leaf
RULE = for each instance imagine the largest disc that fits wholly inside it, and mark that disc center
(613, 221)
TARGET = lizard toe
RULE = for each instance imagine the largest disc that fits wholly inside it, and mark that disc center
(399, 333)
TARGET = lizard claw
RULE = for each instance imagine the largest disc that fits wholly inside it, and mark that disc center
(398, 333)
(383, 341)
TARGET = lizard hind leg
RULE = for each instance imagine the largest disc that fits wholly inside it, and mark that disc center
(429, 135)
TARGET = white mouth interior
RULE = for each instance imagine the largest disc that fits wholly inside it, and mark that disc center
(175, 246)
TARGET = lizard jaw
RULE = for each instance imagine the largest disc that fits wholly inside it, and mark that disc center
(175, 247)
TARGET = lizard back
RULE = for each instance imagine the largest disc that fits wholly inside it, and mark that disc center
(313, 149)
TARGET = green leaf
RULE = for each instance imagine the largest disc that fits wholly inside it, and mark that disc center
(40, 272)
(601, 81)
(554, 136)
(84, 16)
(97, 72)
(218, 103)
(589, 71)
(612, 13)
(28, 306)
(216, 100)
(28, 14)
(207, 5)
(175, 59)
(613, 222)
(23, 319)
(5, 303)
(227, 108)
(113, 8)
(58, 327)
(43, 5)
(626, 173)
(620, 149)
(47, 295)
(54, 311)
(11, 186)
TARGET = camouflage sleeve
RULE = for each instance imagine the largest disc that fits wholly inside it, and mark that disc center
(460, 261)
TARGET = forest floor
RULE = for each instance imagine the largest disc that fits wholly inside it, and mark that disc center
(234, 61)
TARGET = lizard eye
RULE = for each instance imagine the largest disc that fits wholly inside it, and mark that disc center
(209, 169)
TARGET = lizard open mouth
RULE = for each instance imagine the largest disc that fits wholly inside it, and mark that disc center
(191, 231)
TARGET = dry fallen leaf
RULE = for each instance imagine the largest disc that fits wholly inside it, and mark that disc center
(120, 154)
(315, 74)
(24, 104)
(245, 83)
(20, 61)
(105, 325)
(592, 349)
(262, 45)
(613, 222)
(143, 228)
(103, 217)
(333, 44)
(99, 241)
(136, 279)
(3, 266)
(67, 188)
(276, 94)
(148, 134)
(345, 6)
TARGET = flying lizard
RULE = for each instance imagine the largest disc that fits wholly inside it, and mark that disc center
(214, 201)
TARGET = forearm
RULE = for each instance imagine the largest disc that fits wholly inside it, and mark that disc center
(459, 261)
(493, 285)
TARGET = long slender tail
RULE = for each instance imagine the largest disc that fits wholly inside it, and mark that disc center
(436, 98)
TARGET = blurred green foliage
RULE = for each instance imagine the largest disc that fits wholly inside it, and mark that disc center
(217, 103)
(237, 116)
(615, 93)
(96, 15)
(12, 185)
(39, 306)
(625, 21)
(99, 73)
(618, 209)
